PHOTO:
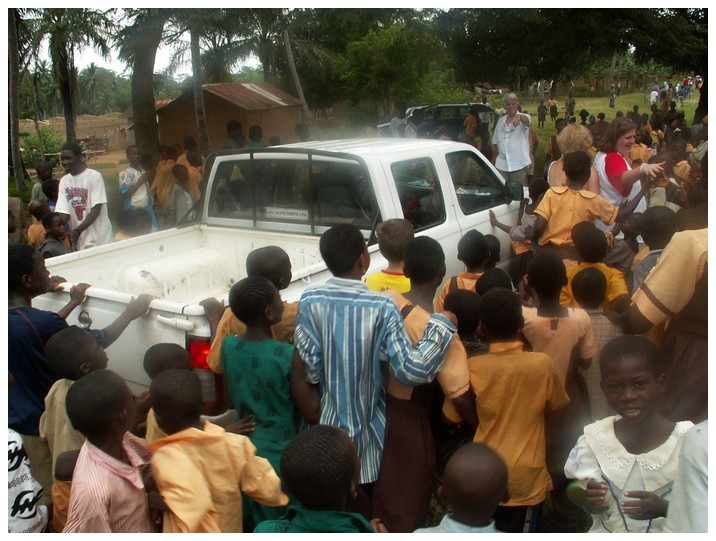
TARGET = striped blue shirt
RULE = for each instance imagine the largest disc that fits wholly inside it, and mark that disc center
(344, 333)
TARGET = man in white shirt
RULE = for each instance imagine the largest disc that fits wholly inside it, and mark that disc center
(82, 200)
(414, 121)
(398, 123)
(510, 140)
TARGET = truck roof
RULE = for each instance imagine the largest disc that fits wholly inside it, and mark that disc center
(373, 146)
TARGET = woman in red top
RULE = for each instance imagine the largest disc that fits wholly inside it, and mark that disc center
(617, 180)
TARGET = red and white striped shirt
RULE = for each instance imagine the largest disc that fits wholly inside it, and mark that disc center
(108, 495)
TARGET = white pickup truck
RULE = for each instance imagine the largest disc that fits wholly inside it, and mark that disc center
(284, 196)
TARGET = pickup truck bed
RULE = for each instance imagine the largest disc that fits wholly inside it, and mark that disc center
(190, 263)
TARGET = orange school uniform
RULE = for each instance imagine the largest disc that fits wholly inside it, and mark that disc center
(229, 324)
(616, 284)
(563, 207)
(514, 389)
(464, 280)
(201, 474)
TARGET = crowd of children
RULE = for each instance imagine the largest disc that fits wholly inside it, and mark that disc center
(406, 401)
(155, 194)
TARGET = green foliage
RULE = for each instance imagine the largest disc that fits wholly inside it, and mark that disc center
(166, 87)
(247, 74)
(581, 90)
(12, 190)
(102, 91)
(388, 63)
(372, 56)
(360, 116)
(52, 142)
(439, 86)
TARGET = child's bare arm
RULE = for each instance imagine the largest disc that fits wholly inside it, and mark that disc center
(77, 296)
(497, 224)
(620, 304)
(244, 426)
(645, 505)
(596, 497)
(378, 526)
(539, 227)
(136, 308)
(306, 395)
(213, 310)
(142, 404)
(88, 221)
(465, 406)
(627, 208)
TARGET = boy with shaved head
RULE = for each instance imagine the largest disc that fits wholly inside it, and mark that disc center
(474, 484)
(270, 262)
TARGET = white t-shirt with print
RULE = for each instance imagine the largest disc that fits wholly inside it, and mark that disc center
(76, 196)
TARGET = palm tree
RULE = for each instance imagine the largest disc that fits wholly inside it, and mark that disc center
(261, 34)
(307, 117)
(69, 30)
(199, 110)
(199, 23)
(87, 81)
(138, 43)
(36, 104)
(13, 99)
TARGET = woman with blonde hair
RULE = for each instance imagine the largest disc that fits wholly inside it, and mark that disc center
(573, 137)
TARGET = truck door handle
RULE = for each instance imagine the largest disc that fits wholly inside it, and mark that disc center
(183, 324)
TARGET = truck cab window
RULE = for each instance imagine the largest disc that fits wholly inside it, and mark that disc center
(419, 192)
(311, 193)
(476, 185)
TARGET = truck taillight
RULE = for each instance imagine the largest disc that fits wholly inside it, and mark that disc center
(199, 351)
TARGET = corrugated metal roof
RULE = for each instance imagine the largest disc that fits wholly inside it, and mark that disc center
(158, 104)
(253, 96)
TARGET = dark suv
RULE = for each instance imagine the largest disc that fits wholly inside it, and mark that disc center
(442, 118)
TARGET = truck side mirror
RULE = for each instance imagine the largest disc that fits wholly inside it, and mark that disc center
(514, 191)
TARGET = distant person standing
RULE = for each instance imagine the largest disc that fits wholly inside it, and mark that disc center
(553, 110)
(612, 97)
(470, 126)
(414, 121)
(301, 131)
(570, 105)
(190, 147)
(399, 121)
(541, 114)
(484, 126)
(82, 200)
(512, 142)
(134, 183)
(44, 172)
(256, 135)
(235, 135)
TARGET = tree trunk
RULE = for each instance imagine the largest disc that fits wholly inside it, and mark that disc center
(62, 67)
(611, 69)
(146, 132)
(36, 104)
(14, 102)
(200, 112)
(703, 107)
(307, 117)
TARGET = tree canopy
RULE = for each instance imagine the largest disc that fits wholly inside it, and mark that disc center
(372, 56)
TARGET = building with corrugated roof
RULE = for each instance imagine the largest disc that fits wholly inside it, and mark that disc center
(276, 111)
